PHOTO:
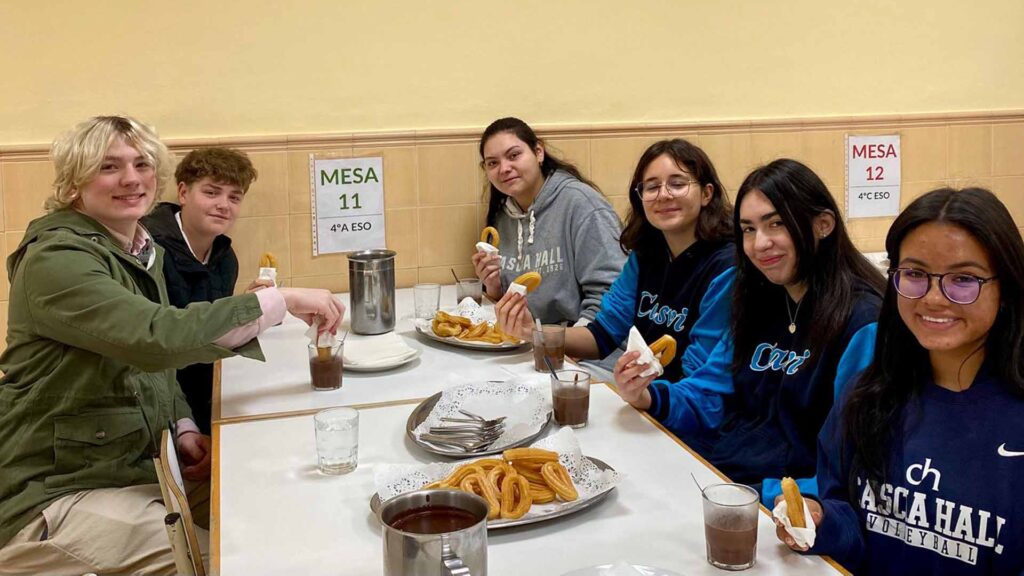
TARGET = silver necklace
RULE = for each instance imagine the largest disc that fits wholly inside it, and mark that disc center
(792, 317)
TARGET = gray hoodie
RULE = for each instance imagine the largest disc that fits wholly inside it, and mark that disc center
(570, 235)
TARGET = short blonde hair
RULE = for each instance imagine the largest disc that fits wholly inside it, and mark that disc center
(78, 153)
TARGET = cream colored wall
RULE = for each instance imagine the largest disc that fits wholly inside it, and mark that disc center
(210, 69)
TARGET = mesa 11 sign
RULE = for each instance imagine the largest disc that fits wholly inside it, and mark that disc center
(348, 204)
(872, 176)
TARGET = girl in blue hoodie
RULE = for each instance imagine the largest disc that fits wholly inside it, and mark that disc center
(676, 279)
(804, 309)
(922, 470)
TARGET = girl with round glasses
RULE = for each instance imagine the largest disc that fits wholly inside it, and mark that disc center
(804, 305)
(677, 277)
(921, 471)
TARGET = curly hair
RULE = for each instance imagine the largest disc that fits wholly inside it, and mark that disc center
(222, 165)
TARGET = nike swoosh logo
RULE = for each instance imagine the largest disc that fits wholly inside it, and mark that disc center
(1008, 453)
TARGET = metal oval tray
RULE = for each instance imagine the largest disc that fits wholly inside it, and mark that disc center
(566, 510)
(453, 341)
(422, 410)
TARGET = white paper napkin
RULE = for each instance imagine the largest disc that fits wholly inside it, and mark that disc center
(486, 247)
(476, 313)
(803, 536)
(324, 340)
(636, 343)
(517, 288)
(378, 349)
(268, 274)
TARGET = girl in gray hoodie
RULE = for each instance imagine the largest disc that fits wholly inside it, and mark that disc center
(550, 220)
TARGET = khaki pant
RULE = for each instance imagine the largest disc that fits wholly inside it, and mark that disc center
(102, 531)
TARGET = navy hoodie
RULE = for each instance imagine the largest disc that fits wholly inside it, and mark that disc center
(952, 502)
(662, 295)
(762, 423)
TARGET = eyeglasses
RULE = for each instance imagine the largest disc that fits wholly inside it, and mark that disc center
(674, 187)
(957, 287)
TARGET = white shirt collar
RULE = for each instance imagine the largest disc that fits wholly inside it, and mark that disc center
(177, 218)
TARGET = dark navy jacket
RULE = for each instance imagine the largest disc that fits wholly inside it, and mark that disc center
(761, 423)
(661, 296)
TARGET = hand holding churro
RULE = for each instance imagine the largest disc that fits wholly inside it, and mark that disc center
(525, 283)
(796, 517)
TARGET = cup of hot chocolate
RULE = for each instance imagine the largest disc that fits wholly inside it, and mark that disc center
(548, 342)
(570, 397)
(326, 366)
(730, 525)
(434, 533)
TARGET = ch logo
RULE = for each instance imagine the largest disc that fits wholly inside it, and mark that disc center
(924, 471)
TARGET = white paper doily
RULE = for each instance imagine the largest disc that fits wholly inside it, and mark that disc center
(525, 406)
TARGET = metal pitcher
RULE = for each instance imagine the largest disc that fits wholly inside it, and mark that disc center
(459, 553)
(371, 277)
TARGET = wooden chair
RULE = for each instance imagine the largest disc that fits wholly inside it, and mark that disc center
(181, 530)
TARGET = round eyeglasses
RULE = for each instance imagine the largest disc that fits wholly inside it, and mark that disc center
(674, 187)
(957, 287)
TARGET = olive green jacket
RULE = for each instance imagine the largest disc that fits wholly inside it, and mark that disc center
(88, 381)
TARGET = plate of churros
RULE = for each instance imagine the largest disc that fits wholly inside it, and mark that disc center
(548, 480)
(466, 332)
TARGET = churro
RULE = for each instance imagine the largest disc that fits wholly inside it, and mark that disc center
(490, 235)
(557, 477)
(515, 497)
(666, 347)
(794, 502)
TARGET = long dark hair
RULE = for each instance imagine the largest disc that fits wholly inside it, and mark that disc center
(522, 130)
(830, 270)
(901, 367)
(714, 222)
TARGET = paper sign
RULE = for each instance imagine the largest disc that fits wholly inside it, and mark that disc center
(872, 176)
(348, 204)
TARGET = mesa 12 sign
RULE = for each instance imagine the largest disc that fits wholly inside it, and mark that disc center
(348, 204)
(872, 176)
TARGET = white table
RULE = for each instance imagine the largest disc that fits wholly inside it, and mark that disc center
(275, 514)
(250, 389)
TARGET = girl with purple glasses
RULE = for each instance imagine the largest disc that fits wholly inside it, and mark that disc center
(921, 471)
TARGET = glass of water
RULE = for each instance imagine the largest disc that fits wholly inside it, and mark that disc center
(337, 440)
(426, 299)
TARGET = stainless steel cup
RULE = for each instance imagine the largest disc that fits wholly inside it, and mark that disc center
(459, 553)
(371, 276)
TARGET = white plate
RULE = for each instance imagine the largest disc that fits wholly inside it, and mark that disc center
(423, 327)
(605, 569)
(383, 365)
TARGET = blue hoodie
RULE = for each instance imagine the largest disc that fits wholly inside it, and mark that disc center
(952, 501)
(761, 423)
(662, 295)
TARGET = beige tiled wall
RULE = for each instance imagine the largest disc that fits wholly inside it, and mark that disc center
(434, 203)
